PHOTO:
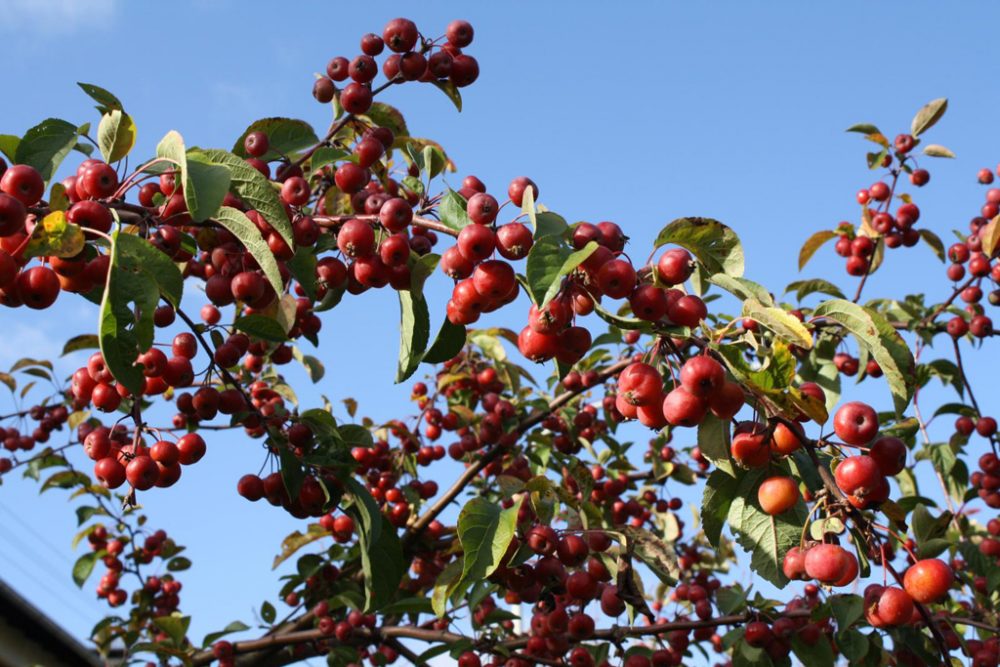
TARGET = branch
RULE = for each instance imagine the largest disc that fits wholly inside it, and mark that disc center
(493, 452)
(328, 221)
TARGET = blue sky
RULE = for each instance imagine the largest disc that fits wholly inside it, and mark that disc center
(638, 113)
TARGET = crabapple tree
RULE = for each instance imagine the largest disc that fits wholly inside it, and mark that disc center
(561, 541)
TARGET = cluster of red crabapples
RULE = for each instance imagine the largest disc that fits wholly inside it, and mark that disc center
(895, 229)
(413, 57)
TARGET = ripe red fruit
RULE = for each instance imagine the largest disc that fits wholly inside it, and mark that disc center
(514, 240)
(749, 449)
(778, 494)
(109, 472)
(686, 311)
(858, 475)
(648, 302)
(90, 214)
(38, 287)
(611, 602)
(518, 186)
(12, 215)
(890, 455)
(827, 563)
(191, 448)
(248, 286)
(785, 440)
(855, 423)
(682, 408)
(928, 580)
(295, 191)
(758, 634)
(256, 144)
(536, 346)
(400, 35)
(574, 343)
(164, 452)
(99, 181)
(105, 397)
(476, 242)
(459, 33)
(727, 401)
(640, 384)
(675, 266)
(894, 606)
(702, 376)
(616, 278)
(356, 98)
(356, 239)
(464, 71)
(24, 183)
(551, 319)
(794, 564)
(482, 208)
(396, 214)
(581, 585)
(494, 279)
(142, 473)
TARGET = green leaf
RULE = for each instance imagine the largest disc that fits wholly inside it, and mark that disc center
(936, 150)
(882, 341)
(804, 288)
(292, 473)
(205, 186)
(248, 234)
(742, 288)
(46, 145)
(8, 146)
(302, 266)
(383, 565)
(178, 564)
(261, 326)
(449, 341)
(864, 128)
(452, 91)
(115, 135)
(819, 654)
(847, 609)
(176, 626)
(314, 367)
(254, 190)
(267, 612)
(444, 586)
(106, 101)
(765, 537)
(83, 567)
(285, 136)
(364, 508)
(549, 224)
(385, 115)
(812, 244)
(55, 236)
(139, 274)
(715, 245)
(485, 532)
(453, 211)
(8, 380)
(323, 156)
(713, 438)
(934, 241)
(928, 115)
(784, 325)
(414, 332)
(235, 626)
(549, 260)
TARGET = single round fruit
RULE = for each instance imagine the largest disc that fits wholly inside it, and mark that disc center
(928, 580)
(702, 375)
(858, 475)
(778, 494)
(890, 455)
(855, 423)
(826, 563)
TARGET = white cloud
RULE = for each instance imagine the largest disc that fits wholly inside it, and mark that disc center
(55, 16)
